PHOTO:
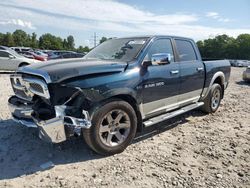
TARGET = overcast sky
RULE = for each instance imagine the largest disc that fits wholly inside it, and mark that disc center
(198, 19)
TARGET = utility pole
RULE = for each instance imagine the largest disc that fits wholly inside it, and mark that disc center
(94, 39)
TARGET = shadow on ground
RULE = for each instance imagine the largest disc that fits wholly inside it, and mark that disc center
(22, 152)
(243, 83)
(166, 125)
(6, 72)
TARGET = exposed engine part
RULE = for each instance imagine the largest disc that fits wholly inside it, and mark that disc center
(53, 130)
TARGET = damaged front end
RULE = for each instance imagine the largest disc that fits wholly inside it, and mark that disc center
(57, 110)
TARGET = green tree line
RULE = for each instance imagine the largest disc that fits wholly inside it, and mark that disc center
(221, 46)
(226, 47)
(46, 41)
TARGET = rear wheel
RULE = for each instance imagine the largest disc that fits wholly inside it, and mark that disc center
(213, 99)
(113, 128)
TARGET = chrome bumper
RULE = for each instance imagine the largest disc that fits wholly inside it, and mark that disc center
(52, 130)
(22, 114)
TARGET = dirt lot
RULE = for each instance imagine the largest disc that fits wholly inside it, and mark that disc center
(193, 150)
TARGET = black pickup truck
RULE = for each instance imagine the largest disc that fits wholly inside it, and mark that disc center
(117, 89)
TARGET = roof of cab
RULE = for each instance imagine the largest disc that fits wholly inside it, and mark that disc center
(157, 36)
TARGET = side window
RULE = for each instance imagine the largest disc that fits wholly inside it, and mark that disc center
(68, 55)
(4, 54)
(160, 46)
(185, 50)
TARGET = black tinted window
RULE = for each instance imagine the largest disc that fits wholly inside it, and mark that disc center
(68, 55)
(160, 46)
(4, 54)
(79, 55)
(185, 50)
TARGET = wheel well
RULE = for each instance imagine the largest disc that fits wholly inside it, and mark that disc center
(23, 64)
(219, 81)
(131, 100)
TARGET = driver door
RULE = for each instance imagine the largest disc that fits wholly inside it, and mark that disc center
(161, 82)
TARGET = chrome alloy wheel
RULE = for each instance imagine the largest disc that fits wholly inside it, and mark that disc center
(114, 128)
(215, 99)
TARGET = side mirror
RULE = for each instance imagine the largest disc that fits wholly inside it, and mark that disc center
(145, 64)
(11, 56)
(161, 59)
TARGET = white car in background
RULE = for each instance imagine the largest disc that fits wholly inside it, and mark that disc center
(246, 74)
(10, 60)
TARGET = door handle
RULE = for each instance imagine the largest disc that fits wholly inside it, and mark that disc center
(199, 69)
(174, 72)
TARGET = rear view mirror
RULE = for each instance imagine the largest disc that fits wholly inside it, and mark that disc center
(161, 59)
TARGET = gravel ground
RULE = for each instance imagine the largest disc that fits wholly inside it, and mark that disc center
(193, 150)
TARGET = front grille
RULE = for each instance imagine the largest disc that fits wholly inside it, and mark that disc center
(21, 94)
(26, 88)
(37, 87)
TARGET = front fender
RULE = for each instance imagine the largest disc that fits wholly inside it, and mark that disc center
(120, 91)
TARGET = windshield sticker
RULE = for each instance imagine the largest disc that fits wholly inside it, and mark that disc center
(133, 42)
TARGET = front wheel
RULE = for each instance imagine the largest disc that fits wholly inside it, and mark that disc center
(213, 99)
(113, 128)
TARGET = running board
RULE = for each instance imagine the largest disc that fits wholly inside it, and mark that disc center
(169, 115)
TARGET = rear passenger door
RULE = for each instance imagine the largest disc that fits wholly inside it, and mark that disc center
(192, 73)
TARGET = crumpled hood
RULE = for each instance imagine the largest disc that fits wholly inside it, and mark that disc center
(60, 70)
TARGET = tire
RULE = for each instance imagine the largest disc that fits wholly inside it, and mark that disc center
(114, 126)
(213, 99)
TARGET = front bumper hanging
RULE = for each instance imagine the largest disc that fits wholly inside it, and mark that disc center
(54, 130)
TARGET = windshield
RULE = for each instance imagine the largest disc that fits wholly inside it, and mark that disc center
(13, 52)
(124, 49)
